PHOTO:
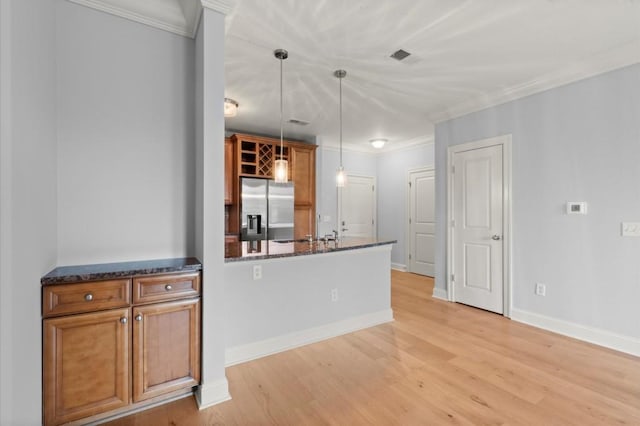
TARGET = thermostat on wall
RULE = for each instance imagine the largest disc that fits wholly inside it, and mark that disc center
(575, 207)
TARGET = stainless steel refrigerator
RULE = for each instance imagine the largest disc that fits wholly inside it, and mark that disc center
(267, 210)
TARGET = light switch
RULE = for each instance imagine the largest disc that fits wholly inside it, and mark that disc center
(631, 229)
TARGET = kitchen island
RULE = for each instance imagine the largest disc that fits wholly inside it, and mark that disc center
(280, 295)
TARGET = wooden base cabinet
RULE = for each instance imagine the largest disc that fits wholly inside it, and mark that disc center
(119, 358)
(86, 365)
(166, 348)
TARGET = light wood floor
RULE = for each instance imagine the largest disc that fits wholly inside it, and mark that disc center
(438, 363)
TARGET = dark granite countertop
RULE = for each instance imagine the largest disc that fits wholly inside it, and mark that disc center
(105, 271)
(256, 250)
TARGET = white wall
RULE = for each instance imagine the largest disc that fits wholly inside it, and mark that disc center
(393, 168)
(209, 217)
(327, 163)
(126, 139)
(28, 200)
(294, 293)
(579, 142)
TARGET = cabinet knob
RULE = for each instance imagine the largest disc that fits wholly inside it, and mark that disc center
(88, 297)
(123, 320)
(138, 317)
(168, 287)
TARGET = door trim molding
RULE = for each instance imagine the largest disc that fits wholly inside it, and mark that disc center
(507, 267)
(407, 232)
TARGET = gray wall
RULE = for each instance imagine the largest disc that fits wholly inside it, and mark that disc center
(328, 161)
(28, 200)
(390, 170)
(393, 168)
(126, 149)
(209, 217)
(579, 142)
(294, 294)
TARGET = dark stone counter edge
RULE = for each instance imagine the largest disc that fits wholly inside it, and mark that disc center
(106, 271)
(306, 253)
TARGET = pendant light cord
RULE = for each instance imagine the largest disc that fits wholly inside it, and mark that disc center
(281, 114)
(340, 79)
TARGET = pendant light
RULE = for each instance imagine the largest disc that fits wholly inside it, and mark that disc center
(281, 166)
(341, 177)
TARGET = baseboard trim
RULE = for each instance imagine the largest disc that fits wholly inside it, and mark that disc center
(440, 293)
(599, 337)
(208, 395)
(251, 351)
(399, 267)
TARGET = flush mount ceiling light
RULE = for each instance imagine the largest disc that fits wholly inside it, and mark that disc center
(281, 166)
(378, 143)
(341, 177)
(230, 107)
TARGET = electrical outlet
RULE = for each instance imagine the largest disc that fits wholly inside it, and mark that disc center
(541, 289)
(631, 229)
(334, 295)
(257, 272)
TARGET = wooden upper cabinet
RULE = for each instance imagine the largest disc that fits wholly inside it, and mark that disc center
(229, 171)
(255, 156)
(85, 365)
(303, 165)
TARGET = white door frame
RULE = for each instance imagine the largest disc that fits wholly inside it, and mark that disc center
(339, 192)
(408, 227)
(507, 267)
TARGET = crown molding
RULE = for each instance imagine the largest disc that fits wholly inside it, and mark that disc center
(625, 55)
(146, 19)
(393, 147)
(184, 22)
(222, 6)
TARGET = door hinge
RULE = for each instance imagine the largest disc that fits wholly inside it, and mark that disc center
(409, 221)
(453, 169)
(453, 223)
(409, 256)
(453, 277)
(373, 188)
(409, 184)
(372, 223)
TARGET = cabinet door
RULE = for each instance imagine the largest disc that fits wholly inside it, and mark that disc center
(166, 348)
(85, 365)
(304, 168)
(229, 172)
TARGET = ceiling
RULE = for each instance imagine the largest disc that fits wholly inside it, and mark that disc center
(465, 55)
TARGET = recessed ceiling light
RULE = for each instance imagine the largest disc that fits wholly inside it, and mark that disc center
(378, 143)
(400, 54)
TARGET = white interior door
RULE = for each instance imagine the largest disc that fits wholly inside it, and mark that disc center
(359, 207)
(422, 223)
(478, 227)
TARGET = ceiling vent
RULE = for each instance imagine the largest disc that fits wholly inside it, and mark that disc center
(400, 54)
(298, 122)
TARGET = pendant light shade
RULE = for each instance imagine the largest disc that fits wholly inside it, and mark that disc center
(281, 166)
(341, 177)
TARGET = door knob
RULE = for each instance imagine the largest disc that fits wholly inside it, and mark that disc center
(496, 237)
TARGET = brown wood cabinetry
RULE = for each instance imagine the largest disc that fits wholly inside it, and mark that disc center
(85, 365)
(166, 350)
(119, 344)
(303, 164)
(254, 157)
(229, 171)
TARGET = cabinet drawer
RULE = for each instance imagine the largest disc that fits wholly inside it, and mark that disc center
(85, 297)
(165, 287)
